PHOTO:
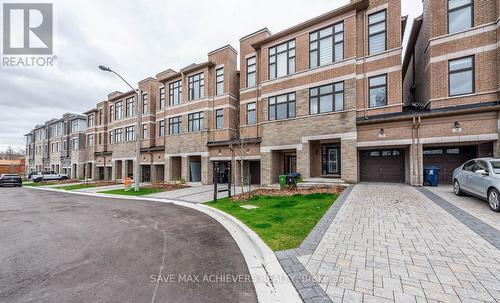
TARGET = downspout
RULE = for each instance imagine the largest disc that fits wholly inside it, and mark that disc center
(257, 91)
(365, 81)
(419, 163)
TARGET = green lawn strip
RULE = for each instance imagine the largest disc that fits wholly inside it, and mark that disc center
(143, 191)
(282, 222)
(75, 186)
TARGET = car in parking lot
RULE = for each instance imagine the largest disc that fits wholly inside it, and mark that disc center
(47, 176)
(10, 180)
(481, 178)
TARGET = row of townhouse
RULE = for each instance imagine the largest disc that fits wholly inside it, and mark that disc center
(330, 98)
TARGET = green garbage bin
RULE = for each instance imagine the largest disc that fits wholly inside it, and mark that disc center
(282, 181)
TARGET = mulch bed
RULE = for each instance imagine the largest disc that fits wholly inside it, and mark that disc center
(168, 186)
(286, 192)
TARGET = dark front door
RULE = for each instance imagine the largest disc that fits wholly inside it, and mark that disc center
(330, 160)
(290, 164)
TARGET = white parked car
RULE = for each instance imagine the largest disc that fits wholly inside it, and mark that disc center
(480, 178)
(47, 176)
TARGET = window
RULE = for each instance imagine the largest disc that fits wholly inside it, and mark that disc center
(378, 90)
(327, 98)
(195, 122)
(118, 135)
(282, 60)
(129, 133)
(175, 93)
(90, 140)
(111, 113)
(469, 166)
(326, 45)
(161, 128)
(75, 126)
(144, 131)
(74, 144)
(162, 98)
(251, 113)
(251, 71)
(461, 76)
(144, 103)
(90, 120)
(377, 30)
(110, 137)
(175, 125)
(119, 110)
(460, 15)
(219, 81)
(282, 107)
(100, 116)
(196, 85)
(219, 118)
(130, 107)
(481, 165)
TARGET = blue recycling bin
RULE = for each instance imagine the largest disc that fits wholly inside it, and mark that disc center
(292, 179)
(431, 176)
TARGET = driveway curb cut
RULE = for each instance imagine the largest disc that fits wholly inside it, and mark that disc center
(270, 281)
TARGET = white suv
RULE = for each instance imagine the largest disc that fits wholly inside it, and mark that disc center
(47, 176)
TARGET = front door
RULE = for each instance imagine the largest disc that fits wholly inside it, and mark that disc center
(331, 160)
(290, 164)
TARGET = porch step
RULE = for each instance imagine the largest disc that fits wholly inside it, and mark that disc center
(316, 182)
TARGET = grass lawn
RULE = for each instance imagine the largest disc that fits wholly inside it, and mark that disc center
(143, 191)
(75, 186)
(282, 222)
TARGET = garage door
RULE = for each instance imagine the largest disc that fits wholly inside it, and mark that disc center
(382, 165)
(447, 159)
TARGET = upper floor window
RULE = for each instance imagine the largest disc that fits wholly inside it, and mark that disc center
(161, 128)
(282, 107)
(327, 98)
(118, 135)
(144, 103)
(377, 32)
(129, 133)
(282, 60)
(144, 131)
(175, 93)
(378, 90)
(195, 122)
(251, 113)
(75, 126)
(130, 107)
(461, 76)
(110, 137)
(460, 15)
(118, 110)
(111, 113)
(219, 81)
(90, 120)
(326, 45)
(162, 98)
(251, 71)
(101, 116)
(196, 85)
(90, 140)
(175, 124)
(219, 118)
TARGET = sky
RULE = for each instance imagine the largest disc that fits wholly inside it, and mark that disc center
(137, 38)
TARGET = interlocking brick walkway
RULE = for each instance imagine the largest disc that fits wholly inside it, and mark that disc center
(390, 243)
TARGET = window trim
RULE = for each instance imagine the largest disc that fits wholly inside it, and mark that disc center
(333, 93)
(334, 43)
(254, 72)
(448, 11)
(378, 33)
(287, 51)
(378, 86)
(275, 105)
(472, 69)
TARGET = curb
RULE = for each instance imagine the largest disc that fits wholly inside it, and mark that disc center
(270, 281)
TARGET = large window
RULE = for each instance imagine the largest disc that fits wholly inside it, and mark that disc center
(195, 122)
(90, 120)
(196, 85)
(461, 76)
(118, 135)
(75, 125)
(175, 93)
(460, 15)
(377, 32)
(219, 118)
(282, 60)
(251, 113)
(129, 133)
(130, 107)
(282, 107)
(251, 71)
(144, 103)
(118, 110)
(175, 125)
(161, 128)
(378, 90)
(326, 45)
(219, 81)
(327, 98)
(162, 98)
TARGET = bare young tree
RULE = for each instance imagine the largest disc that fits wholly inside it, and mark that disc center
(238, 146)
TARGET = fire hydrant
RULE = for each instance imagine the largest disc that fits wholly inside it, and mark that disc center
(127, 183)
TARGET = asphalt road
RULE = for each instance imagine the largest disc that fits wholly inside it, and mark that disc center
(61, 247)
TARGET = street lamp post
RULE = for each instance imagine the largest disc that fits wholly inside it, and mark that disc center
(138, 129)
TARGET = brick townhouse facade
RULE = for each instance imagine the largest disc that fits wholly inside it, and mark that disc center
(332, 98)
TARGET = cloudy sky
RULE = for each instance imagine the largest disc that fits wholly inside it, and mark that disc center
(138, 38)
